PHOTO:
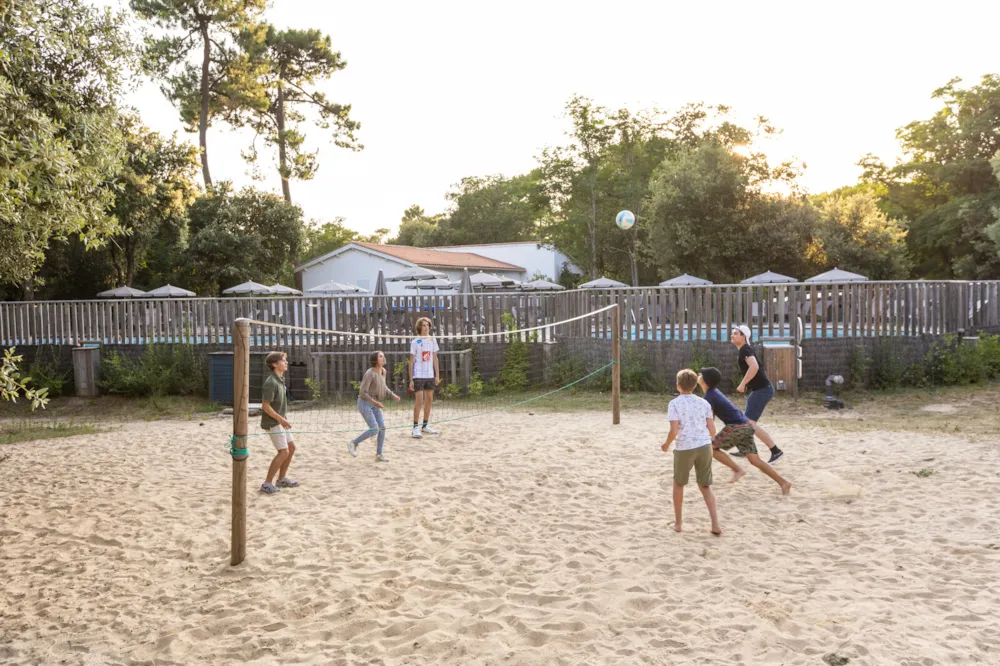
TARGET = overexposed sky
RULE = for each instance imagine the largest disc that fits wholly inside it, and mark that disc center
(445, 90)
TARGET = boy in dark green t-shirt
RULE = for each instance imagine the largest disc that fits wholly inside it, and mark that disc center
(274, 403)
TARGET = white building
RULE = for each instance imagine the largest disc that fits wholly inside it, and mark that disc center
(358, 263)
(536, 259)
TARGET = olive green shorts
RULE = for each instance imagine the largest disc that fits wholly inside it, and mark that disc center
(700, 459)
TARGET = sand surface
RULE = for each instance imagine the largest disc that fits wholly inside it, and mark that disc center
(510, 539)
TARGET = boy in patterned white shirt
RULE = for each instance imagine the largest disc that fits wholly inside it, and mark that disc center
(692, 426)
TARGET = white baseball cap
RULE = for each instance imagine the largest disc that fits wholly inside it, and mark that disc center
(744, 329)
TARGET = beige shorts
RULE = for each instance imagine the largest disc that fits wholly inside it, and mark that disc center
(280, 437)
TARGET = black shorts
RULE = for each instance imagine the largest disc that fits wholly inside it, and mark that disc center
(420, 384)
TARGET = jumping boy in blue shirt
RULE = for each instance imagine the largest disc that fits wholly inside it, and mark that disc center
(738, 431)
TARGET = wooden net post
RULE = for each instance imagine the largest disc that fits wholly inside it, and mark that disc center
(616, 369)
(240, 452)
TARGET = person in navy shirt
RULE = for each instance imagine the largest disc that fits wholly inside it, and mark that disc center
(738, 431)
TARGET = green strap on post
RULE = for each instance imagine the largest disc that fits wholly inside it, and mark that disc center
(236, 451)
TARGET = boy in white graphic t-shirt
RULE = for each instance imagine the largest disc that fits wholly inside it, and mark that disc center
(424, 374)
(692, 426)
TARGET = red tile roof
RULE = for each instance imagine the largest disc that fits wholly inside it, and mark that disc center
(440, 259)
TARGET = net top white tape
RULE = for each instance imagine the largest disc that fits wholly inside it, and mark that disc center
(385, 336)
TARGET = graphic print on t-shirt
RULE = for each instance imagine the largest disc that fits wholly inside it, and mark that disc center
(422, 350)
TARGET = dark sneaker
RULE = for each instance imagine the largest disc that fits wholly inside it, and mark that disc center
(738, 454)
(775, 456)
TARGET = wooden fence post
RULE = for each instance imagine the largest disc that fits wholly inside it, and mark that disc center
(240, 451)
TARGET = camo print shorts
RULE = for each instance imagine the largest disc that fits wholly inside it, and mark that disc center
(739, 435)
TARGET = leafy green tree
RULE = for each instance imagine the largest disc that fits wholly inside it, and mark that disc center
(854, 235)
(571, 174)
(290, 63)
(63, 66)
(202, 85)
(708, 216)
(251, 235)
(153, 196)
(328, 237)
(944, 189)
(14, 384)
(494, 209)
(418, 229)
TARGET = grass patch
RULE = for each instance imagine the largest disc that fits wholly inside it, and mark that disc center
(30, 432)
(924, 473)
(115, 409)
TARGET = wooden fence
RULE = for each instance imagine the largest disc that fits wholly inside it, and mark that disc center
(648, 313)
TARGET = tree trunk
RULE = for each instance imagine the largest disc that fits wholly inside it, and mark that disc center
(203, 116)
(593, 229)
(282, 154)
(129, 264)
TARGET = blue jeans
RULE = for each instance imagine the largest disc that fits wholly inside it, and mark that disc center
(376, 425)
(756, 402)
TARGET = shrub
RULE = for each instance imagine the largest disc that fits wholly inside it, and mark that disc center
(45, 373)
(635, 375)
(885, 370)
(857, 368)
(162, 370)
(516, 363)
(567, 370)
(953, 361)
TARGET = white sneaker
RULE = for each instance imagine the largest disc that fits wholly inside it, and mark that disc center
(352, 448)
(380, 458)
(416, 432)
(429, 430)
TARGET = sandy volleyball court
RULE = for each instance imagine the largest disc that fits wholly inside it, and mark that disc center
(511, 539)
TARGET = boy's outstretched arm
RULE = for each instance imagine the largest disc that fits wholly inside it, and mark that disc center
(675, 427)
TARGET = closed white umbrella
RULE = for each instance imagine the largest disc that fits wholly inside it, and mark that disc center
(837, 275)
(380, 288)
(602, 283)
(249, 287)
(282, 290)
(122, 292)
(170, 291)
(768, 277)
(685, 280)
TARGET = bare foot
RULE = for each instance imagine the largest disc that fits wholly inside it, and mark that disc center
(737, 476)
(677, 527)
(717, 531)
(786, 487)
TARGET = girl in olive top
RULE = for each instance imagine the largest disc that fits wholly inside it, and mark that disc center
(373, 389)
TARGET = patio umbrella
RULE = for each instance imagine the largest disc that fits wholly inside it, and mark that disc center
(437, 283)
(249, 287)
(602, 283)
(170, 291)
(415, 273)
(336, 288)
(483, 280)
(282, 290)
(121, 292)
(837, 275)
(380, 288)
(465, 284)
(684, 280)
(769, 277)
(542, 285)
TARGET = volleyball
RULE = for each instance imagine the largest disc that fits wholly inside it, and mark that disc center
(625, 220)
